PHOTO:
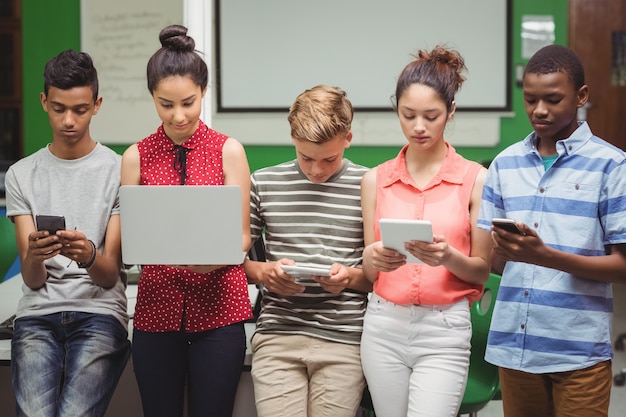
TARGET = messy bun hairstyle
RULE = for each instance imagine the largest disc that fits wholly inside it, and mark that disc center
(441, 69)
(176, 57)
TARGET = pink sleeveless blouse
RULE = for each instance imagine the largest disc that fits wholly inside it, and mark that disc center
(445, 202)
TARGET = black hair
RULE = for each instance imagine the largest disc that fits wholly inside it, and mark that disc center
(177, 56)
(71, 69)
(557, 58)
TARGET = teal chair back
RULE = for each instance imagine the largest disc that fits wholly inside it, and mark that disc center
(8, 247)
(483, 382)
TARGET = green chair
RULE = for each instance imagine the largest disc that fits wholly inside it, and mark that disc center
(367, 407)
(483, 383)
(8, 247)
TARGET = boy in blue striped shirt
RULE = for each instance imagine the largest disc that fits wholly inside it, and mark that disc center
(566, 188)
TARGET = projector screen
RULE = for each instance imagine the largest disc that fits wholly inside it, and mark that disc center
(269, 51)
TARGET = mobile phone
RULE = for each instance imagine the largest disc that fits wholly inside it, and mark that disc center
(50, 223)
(509, 225)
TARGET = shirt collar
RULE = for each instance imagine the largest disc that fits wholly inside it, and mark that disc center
(451, 171)
(190, 143)
(567, 146)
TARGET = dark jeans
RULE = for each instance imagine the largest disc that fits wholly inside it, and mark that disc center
(67, 364)
(209, 363)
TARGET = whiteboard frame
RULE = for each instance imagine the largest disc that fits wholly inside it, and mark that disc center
(370, 128)
(198, 15)
(245, 81)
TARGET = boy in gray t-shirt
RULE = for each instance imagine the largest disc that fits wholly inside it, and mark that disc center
(70, 342)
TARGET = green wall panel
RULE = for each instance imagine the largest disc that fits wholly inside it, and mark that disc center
(48, 28)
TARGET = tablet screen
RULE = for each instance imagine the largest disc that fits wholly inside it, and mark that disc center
(395, 232)
(296, 270)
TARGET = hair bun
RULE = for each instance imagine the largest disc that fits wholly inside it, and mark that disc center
(175, 37)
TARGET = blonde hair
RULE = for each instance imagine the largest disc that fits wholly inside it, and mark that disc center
(320, 113)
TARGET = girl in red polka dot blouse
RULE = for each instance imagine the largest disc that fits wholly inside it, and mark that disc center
(189, 319)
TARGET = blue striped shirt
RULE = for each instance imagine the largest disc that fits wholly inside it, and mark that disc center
(547, 320)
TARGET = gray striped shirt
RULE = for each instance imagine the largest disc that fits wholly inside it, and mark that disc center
(315, 225)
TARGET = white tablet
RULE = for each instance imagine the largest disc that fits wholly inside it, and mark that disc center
(395, 232)
(300, 271)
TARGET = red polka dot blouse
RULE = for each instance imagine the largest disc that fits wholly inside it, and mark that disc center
(171, 299)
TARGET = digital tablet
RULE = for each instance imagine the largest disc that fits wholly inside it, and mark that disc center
(395, 232)
(300, 271)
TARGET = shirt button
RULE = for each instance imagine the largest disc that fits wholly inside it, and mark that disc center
(522, 326)
(542, 190)
(526, 292)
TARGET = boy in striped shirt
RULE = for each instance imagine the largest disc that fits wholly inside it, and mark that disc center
(306, 358)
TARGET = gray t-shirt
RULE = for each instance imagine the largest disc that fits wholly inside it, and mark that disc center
(85, 191)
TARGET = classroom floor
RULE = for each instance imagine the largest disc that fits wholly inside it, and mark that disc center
(618, 393)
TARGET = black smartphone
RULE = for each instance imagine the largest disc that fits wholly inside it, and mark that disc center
(50, 223)
(509, 225)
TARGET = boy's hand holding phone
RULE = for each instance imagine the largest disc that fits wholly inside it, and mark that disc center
(50, 224)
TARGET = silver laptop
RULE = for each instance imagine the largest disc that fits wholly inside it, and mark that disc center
(181, 225)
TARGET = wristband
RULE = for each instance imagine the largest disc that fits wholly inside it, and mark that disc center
(91, 260)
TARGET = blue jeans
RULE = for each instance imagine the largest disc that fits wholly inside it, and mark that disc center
(209, 363)
(67, 364)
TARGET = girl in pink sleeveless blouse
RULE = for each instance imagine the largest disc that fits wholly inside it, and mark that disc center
(415, 346)
(189, 319)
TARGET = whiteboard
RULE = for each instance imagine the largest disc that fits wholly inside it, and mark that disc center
(269, 51)
(120, 36)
